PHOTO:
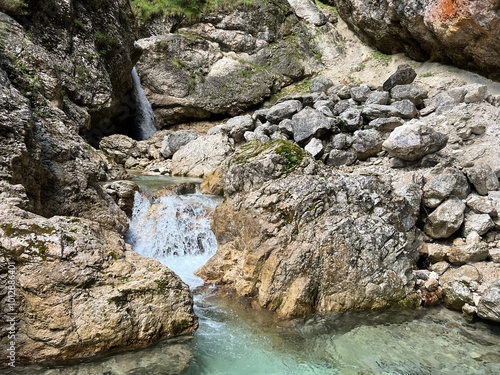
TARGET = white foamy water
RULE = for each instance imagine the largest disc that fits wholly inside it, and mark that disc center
(175, 230)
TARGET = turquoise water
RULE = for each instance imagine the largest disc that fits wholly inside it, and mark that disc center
(234, 338)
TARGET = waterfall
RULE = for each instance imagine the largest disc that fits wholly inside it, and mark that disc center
(175, 230)
(145, 119)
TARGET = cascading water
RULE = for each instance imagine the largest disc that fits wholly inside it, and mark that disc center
(236, 339)
(175, 230)
(145, 119)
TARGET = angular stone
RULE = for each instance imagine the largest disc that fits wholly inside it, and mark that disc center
(456, 294)
(386, 124)
(405, 109)
(483, 178)
(475, 93)
(351, 120)
(341, 141)
(443, 183)
(446, 219)
(413, 92)
(308, 123)
(489, 304)
(202, 155)
(378, 97)
(340, 157)
(470, 250)
(367, 143)
(360, 93)
(283, 110)
(174, 141)
(480, 223)
(404, 75)
(320, 84)
(414, 140)
(309, 11)
(482, 205)
(315, 147)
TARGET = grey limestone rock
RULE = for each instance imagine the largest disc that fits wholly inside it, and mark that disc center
(489, 304)
(351, 120)
(174, 141)
(404, 75)
(283, 110)
(315, 147)
(320, 84)
(483, 178)
(442, 183)
(413, 92)
(367, 143)
(480, 223)
(308, 123)
(446, 219)
(341, 157)
(414, 140)
(386, 124)
(378, 97)
(360, 93)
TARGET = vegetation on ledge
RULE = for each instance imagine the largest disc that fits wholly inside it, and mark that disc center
(146, 9)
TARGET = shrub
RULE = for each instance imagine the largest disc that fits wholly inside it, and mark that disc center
(13, 7)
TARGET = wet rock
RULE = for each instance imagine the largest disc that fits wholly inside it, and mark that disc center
(456, 294)
(442, 183)
(308, 123)
(414, 140)
(326, 269)
(404, 75)
(489, 304)
(174, 141)
(446, 219)
(91, 290)
(483, 178)
(122, 193)
(202, 155)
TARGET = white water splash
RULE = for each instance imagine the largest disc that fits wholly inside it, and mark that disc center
(175, 230)
(145, 119)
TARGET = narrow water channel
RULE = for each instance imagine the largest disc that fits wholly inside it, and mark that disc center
(235, 339)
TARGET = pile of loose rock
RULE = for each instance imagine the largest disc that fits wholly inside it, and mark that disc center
(441, 152)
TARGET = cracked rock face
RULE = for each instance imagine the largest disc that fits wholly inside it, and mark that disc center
(465, 33)
(297, 240)
(225, 63)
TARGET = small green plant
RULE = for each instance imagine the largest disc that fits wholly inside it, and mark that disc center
(379, 56)
(105, 42)
(291, 153)
(79, 24)
(147, 9)
(427, 74)
(328, 8)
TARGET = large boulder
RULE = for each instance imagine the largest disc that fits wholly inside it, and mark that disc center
(298, 238)
(81, 290)
(230, 60)
(202, 155)
(414, 140)
(463, 33)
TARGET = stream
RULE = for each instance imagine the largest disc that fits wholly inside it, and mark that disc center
(236, 339)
